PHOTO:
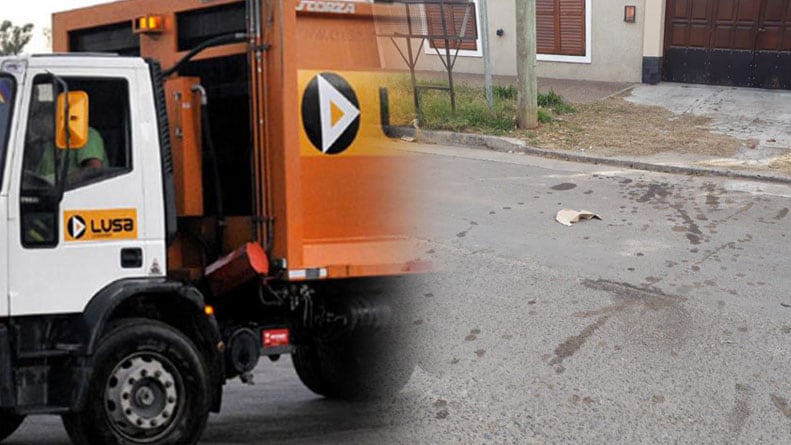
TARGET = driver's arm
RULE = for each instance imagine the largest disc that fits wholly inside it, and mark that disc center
(93, 163)
(92, 156)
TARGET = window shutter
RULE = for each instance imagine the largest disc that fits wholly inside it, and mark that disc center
(572, 27)
(454, 20)
(546, 30)
(560, 27)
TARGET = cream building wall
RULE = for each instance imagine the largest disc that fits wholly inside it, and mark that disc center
(615, 48)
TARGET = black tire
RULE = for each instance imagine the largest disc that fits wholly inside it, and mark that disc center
(156, 376)
(9, 422)
(357, 367)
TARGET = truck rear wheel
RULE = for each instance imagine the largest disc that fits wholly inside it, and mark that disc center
(355, 367)
(9, 422)
(148, 385)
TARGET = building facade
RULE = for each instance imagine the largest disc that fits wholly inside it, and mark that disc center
(727, 42)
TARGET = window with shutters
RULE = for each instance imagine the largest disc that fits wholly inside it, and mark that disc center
(457, 20)
(563, 30)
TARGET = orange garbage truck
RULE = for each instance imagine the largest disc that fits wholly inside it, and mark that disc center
(187, 187)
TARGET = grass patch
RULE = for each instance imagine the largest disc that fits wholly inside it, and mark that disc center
(554, 102)
(544, 116)
(505, 91)
(472, 112)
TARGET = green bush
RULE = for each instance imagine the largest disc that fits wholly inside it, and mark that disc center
(555, 102)
(505, 91)
(544, 116)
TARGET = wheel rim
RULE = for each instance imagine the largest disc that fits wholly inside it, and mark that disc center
(142, 397)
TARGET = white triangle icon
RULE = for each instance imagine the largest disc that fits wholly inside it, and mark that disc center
(329, 96)
(77, 227)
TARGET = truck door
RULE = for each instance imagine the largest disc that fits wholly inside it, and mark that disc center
(63, 253)
(7, 87)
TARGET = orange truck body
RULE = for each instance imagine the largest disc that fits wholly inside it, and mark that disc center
(333, 215)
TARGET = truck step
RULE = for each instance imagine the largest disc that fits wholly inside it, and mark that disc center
(33, 410)
(61, 350)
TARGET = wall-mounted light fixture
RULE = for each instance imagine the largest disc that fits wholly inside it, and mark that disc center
(630, 13)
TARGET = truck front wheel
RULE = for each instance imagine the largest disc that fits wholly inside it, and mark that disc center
(9, 422)
(148, 385)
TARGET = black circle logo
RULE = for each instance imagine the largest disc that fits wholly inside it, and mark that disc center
(330, 113)
(76, 227)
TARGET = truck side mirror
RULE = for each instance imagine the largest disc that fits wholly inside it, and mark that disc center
(73, 127)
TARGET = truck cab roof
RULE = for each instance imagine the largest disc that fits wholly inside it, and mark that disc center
(18, 64)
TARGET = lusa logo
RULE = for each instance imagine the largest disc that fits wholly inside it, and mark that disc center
(97, 225)
(76, 227)
(112, 225)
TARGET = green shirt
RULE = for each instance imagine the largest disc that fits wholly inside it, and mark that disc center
(93, 149)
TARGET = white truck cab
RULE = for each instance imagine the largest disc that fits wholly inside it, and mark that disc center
(109, 223)
(90, 326)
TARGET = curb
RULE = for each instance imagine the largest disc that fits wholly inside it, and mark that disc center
(503, 144)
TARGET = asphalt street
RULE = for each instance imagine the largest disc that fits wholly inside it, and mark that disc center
(668, 321)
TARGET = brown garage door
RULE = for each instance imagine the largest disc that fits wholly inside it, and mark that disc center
(729, 42)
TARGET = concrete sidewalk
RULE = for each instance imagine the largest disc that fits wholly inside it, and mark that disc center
(762, 118)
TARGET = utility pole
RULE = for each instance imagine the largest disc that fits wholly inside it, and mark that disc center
(527, 111)
(487, 55)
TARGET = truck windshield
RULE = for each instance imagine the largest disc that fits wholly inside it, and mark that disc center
(6, 103)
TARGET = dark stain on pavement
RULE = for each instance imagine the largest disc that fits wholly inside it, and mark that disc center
(694, 239)
(741, 410)
(781, 404)
(629, 295)
(464, 233)
(564, 186)
(782, 214)
(694, 235)
(575, 342)
(654, 191)
(472, 335)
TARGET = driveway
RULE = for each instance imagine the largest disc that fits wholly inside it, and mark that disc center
(760, 117)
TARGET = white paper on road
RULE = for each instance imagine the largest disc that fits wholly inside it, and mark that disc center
(567, 217)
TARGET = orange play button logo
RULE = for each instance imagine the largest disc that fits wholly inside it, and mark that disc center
(330, 113)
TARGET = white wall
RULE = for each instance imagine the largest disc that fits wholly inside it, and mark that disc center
(616, 50)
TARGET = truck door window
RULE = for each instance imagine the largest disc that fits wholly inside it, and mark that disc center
(6, 102)
(106, 154)
(108, 150)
